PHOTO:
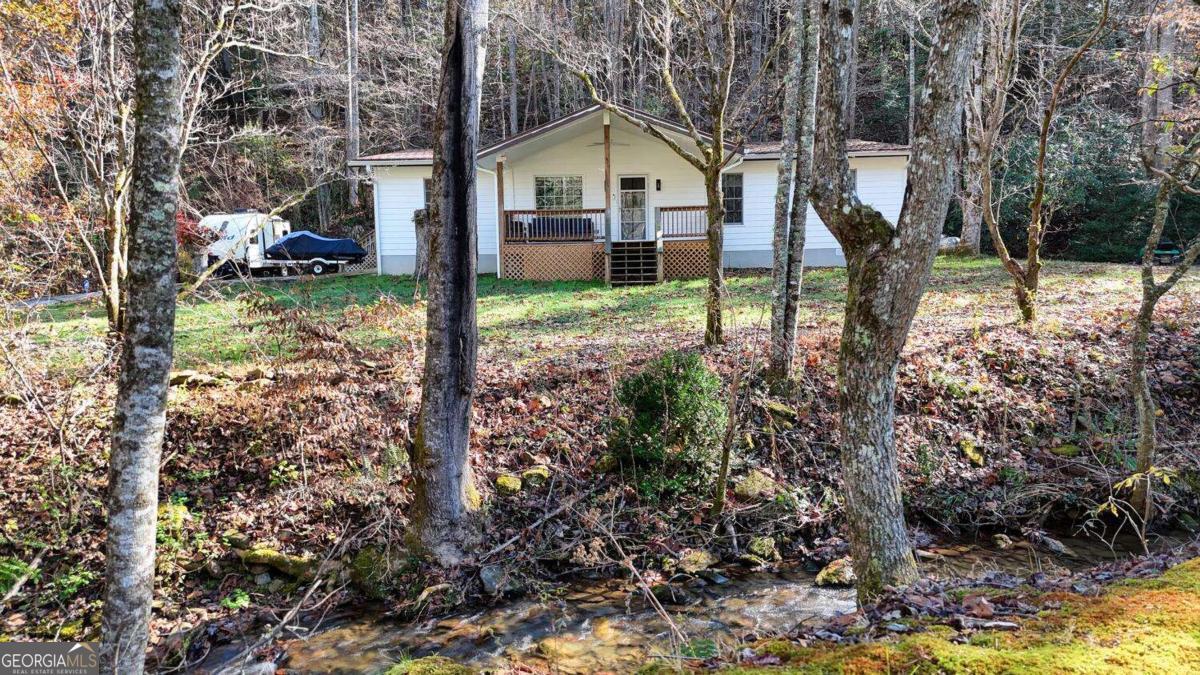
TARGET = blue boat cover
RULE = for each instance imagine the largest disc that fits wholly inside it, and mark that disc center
(304, 245)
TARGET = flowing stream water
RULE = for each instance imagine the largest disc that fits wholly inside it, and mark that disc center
(609, 626)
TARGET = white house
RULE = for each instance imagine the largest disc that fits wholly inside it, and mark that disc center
(592, 196)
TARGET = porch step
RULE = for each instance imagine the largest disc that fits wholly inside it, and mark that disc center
(633, 262)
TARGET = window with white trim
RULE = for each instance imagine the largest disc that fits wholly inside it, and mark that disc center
(558, 192)
(731, 188)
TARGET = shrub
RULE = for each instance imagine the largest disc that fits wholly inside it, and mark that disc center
(672, 423)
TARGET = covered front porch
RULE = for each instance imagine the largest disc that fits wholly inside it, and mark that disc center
(553, 244)
(597, 198)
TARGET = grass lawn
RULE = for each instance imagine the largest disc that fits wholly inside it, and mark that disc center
(214, 331)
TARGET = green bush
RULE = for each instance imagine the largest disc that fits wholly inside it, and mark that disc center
(671, 424)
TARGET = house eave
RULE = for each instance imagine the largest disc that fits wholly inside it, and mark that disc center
(774, 156)
(364, 162)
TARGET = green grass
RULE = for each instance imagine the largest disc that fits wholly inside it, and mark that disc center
(215, 332)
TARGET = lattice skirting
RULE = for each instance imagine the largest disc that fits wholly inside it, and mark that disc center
(553, 262)
(686, 259)
(367, 264)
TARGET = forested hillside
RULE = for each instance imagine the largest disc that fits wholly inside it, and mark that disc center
(280, 93)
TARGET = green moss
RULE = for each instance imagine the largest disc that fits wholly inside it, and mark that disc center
(172, 516)
(370, 571)
(696, 560)
(969, 449)
(291, 565)
(755, 486)
(536, 476)
(1068, 450)
(840, 572)
(763, 547)
(508, 484)
(474, 499)
(1145, 625)
(430, 665)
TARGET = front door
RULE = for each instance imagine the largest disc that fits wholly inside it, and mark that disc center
(633, 207)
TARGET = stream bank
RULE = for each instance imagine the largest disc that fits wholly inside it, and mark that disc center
(610, 626)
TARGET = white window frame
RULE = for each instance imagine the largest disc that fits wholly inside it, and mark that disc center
(741, 199)
(563, 192)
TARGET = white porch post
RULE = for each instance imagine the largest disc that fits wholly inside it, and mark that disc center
(501, 217)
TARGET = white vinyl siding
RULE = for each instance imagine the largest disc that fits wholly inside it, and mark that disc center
(880, 183)
(401, 191)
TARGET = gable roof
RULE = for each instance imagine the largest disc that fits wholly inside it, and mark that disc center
(752, 151)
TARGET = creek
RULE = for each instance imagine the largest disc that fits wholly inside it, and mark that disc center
(609, 625)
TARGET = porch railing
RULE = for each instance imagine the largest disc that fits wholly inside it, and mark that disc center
(553, 225)
(683, 222)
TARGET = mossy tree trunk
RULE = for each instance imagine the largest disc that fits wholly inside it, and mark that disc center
(888, 267)
(444, 497)
(149, 330)
(1170, 159)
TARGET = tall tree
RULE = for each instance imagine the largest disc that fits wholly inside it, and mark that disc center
(791, 193)
(888, 267)
(352, 123)
(1026, 278)
(316, 112)
(149, 332)
(1172, 159)
(992, 74)
(444, 496)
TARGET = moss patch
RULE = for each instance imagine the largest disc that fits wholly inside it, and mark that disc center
(430, 665)
(296, 566)
(508, 484)
(1150, 625)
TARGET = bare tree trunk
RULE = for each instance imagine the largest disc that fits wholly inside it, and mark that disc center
(791, 194)
(1157, 127)
(316, 117)
(970, 200)
(912, 78)
(1026, 280)
(139, 415)
(852, 87)
(888, 267)
(421, 230)
(444, 496)
(513, 125)
(714, 331)
(352, 125)
(1139, 382)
